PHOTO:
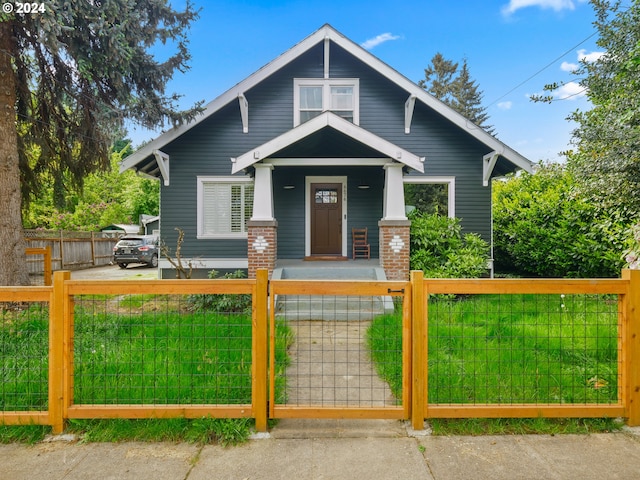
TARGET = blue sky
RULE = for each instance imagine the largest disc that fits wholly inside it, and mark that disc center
(513, 48)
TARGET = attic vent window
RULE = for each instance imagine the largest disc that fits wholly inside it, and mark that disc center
(313, 96)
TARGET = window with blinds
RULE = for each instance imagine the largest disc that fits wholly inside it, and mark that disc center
(225, 208)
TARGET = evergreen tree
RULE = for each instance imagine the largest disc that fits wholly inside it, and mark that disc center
(455, 88)
(71, 74)
(439, 78)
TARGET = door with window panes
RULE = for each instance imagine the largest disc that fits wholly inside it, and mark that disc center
(326, 219)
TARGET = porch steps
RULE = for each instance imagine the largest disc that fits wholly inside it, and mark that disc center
(322, 307)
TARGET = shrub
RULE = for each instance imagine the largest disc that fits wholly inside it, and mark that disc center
(224, 302)
(441, 250)
(544, 226)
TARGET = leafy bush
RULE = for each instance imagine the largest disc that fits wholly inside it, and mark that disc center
(545, 226)
(441, 250)
(225, 302)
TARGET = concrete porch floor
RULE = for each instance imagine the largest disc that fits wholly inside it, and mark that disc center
(360, 269)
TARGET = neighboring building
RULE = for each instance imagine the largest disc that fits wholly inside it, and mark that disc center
(120, 229)
(150, 224)
(320, 140)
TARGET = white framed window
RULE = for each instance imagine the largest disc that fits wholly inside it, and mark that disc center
(431, 194)
(312, 96)
(225, 204)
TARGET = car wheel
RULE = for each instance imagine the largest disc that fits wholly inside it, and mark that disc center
(123, 265)
(154, 261)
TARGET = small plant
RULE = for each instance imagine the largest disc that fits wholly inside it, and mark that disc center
(226, 302)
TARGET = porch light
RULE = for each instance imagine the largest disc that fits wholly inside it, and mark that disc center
(289, 187)
(363, 186)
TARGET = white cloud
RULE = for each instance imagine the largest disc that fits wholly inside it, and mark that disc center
(589, 57)
(570, 91)
(557, 5)
(374, 42)
(582, 56)
(505, 105)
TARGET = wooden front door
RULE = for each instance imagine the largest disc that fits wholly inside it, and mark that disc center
(326, 219)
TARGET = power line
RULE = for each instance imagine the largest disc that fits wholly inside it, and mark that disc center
(552, 62)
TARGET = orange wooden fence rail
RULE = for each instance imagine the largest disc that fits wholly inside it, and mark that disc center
(46, 260)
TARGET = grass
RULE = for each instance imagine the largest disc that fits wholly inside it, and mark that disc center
(523, 426)
(511, 349)
(135, 349)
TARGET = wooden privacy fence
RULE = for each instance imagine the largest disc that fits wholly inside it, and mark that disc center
(72, 250)
(290, 348)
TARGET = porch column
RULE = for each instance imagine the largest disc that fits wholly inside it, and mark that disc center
(262, 227)
(394, 226)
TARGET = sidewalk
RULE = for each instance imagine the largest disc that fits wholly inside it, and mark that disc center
(336, 450)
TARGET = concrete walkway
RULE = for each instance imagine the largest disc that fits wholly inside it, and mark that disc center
(332, 451)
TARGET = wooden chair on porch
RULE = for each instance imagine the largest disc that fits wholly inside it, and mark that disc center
(361, 247)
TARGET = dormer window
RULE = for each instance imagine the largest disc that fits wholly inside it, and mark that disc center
(311, 97)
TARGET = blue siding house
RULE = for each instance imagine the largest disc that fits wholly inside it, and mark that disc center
(321, 140)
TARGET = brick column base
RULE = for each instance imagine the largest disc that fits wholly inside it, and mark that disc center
(262, 246)
(394, 248)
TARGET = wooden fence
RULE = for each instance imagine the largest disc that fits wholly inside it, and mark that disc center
(67, 359)
(39, 261)
(71, 250)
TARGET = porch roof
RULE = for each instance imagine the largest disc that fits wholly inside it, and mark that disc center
(371, 144)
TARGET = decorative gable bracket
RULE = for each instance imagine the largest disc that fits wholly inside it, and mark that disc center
(409, 106)
(162, 159)
(488, 164)
(244, 112)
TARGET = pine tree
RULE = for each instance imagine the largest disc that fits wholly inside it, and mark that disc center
(71, 74)
(456, 89)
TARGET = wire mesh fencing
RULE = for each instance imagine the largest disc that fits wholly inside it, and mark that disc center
(157, 349)
(517, 349)
(333, 359)
(24, 349)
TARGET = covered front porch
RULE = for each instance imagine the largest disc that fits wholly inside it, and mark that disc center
(318, 181)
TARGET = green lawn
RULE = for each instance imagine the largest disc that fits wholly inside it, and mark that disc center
(512, 349)
(136, 349)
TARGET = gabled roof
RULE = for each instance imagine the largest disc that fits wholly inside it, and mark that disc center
(327, 32)
(324, 120)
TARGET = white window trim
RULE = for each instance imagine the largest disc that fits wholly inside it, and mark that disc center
(451, 189)
(326, 84)
(201, 180)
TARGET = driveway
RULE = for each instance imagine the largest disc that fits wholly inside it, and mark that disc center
(113, 272)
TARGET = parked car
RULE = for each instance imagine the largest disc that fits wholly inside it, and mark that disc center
(136, 249)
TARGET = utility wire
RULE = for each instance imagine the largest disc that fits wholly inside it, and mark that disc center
(552, 62)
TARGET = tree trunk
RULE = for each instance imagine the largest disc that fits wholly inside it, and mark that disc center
(13, 264)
